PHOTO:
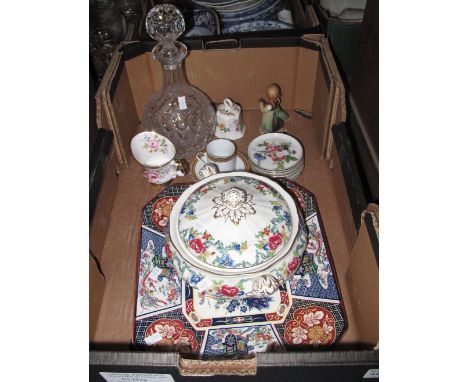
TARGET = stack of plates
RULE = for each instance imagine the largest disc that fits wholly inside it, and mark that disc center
(276, 155)
(201, 22)
(245, 12)
(227, 6)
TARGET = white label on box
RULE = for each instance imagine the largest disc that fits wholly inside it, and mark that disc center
(371, 373)
(153, 338)
(182, 103)
(155, 273)
(136, 377)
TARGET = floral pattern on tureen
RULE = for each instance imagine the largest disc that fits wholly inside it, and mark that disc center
(250, 224)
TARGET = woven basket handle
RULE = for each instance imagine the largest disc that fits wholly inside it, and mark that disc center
(195, 367)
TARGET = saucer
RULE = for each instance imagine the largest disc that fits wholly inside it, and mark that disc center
(242, 164)
(275, 153)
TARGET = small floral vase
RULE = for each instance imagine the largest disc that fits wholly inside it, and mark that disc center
(229, 123)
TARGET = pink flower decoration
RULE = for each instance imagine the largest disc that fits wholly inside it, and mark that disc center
(168, 251)
(153, 144)
(166, 331)
(293, 264)
(229, 291)
(197, 245)
(182, 341)
(152, 176)
(327, 329)
(312, 245)
(312, 318)
(298, 334)
(275, 241)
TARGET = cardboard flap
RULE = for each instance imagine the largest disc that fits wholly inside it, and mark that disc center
(97, 284)
(312, 16)
(337, 106)
(363, 279)
(105, 116)
(330, 107)
(104, 205)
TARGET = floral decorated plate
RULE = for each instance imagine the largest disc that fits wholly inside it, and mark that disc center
(231, 6)
(236, 232)
(238, 6)
(262, 9)
(257, 25)
(288, 171)
(275, 152)
(290, 174)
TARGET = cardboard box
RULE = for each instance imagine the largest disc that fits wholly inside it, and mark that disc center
(306, 71)
(343, 36)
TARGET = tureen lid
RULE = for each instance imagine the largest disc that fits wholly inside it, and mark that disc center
(231, 222)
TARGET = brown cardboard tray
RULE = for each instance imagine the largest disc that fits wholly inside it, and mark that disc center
(306, 71)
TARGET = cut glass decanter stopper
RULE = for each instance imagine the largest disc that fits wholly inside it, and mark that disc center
(179, 111)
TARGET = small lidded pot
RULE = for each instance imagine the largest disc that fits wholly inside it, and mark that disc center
(156, 154)
(229, 123)
(236, 235)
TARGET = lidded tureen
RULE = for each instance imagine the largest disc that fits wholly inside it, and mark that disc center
(236, 235)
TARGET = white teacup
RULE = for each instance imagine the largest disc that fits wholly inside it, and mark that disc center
(156, 154)
(222, 153)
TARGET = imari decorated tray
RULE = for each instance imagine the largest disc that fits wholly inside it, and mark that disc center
(304, 313)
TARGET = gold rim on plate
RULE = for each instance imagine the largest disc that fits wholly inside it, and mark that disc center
(239, 154)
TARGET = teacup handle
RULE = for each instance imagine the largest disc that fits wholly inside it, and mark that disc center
(200, 156)
(181, 168)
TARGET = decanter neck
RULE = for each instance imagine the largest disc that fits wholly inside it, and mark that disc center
(170, 54)
(175, 76)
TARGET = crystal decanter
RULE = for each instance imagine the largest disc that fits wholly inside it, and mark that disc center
(179, 111)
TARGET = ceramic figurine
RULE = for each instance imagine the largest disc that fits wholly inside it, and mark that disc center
(228, 121)
(273, 117)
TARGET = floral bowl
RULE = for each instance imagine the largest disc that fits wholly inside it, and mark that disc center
(236, 235)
